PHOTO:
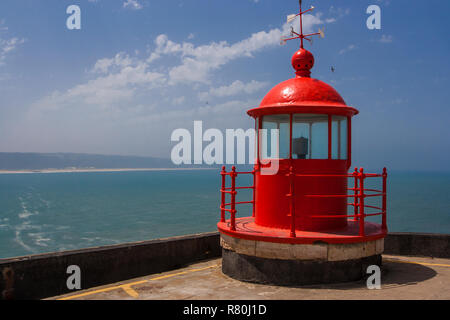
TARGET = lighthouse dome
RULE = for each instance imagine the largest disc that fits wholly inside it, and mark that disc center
(303, 93)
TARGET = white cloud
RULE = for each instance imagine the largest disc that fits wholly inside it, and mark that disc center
(347, 49)
(386, 39)
(105, 65)
(106, 90)
(132, 4)
(237, 87)
(2, 26)
(7, 45)
(179, 101)
(338, 13)
(198, 62)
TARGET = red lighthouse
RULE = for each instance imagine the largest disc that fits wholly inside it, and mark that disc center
(310, 219)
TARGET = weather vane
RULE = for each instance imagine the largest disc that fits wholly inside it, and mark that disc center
(300, 35)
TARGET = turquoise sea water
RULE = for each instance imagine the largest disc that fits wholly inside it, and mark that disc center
(63, 211)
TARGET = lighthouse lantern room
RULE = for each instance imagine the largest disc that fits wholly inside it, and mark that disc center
(309, 222)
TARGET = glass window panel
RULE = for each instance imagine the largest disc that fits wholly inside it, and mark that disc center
(300, 140)
(256, 138)
(319, 140)
(344, 139)
(310, 136)
(280, 122)
(339, 138)
(334, 139)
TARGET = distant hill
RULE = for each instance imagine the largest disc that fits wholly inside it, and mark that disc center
(41, 161)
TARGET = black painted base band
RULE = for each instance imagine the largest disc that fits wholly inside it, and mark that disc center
(294, 272)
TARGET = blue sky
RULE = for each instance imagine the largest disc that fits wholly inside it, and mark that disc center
(139, 69)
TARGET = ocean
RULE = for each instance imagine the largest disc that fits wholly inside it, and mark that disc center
(46, 212)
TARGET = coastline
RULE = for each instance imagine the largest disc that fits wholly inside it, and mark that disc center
(97, 170)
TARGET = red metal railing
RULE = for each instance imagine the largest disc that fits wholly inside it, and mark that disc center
(359, 194)
(232, 191)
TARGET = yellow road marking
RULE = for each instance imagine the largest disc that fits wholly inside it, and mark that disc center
(127, 287)
(123, 286)
(416, 262)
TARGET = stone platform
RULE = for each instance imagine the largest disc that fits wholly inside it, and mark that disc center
(403, 278)
(298, 264)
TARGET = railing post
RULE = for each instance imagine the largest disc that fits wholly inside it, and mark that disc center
(361, 202)
(233, 199)
(222, 191)
(355, 198)
(291, 204)
(255, 169)
(384, 224)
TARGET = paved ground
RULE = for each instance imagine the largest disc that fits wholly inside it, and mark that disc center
(402, 278)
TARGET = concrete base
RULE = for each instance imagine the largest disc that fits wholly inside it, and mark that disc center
(298, 264)
(294, 272)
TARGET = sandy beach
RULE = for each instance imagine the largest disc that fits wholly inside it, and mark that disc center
(75, 170)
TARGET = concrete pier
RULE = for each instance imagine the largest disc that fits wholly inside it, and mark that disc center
(420, 259)
(403, 278)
